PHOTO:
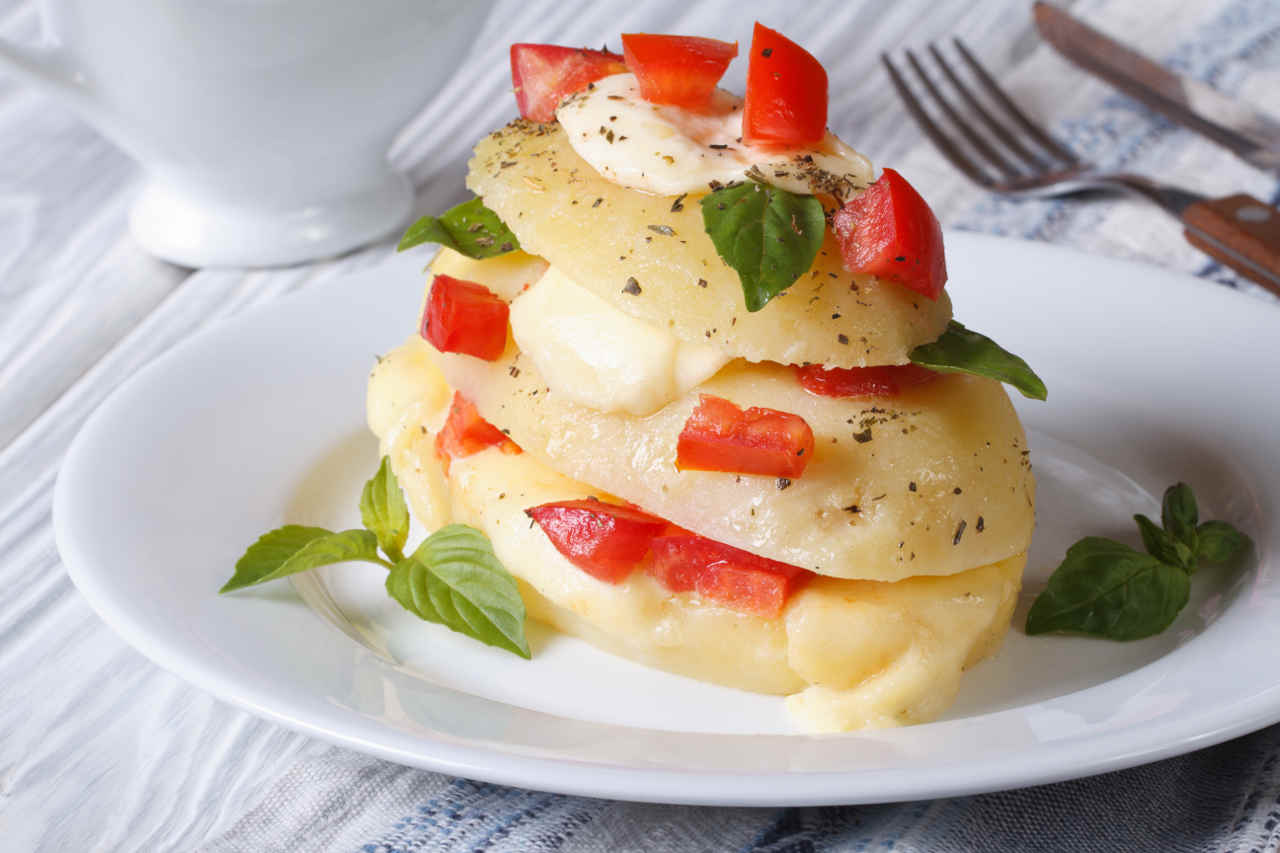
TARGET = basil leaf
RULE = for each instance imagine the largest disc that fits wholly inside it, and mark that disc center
(383, 510)
(294, 548)
(1109, 590)
(1161, 545)
(768, 235)
(1179, 514)
(456, 580)
(960, 350)
(1218, 542)
(470, 228)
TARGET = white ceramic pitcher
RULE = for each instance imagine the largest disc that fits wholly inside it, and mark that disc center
(262, 125)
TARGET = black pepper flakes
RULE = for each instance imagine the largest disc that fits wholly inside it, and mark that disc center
(783, 483)
(956, 490)
(702, 282)
(981, 525)
(596, 203)
(959, 532)
(852, 508)
(664, 230)
(767, 52)
(678, 204)
(843, 338)
(862, 437)
(911, 487)
(632, 286)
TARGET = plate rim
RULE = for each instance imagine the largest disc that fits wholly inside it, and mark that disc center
(1049, 762)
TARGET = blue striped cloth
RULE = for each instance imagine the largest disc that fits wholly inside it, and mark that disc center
(1226, 798)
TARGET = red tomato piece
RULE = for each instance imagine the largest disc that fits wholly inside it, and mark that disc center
(465, 432)
(881, 381)
(680, 70)
(786, 101)
(724, 574)
(607, 541)
(721, 437)
(465, 317)
(889, 231)
(546, 74)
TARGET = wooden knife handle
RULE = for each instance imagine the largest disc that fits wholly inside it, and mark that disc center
(1243, 225)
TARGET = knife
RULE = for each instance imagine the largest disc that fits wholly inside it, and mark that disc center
(1252, 136)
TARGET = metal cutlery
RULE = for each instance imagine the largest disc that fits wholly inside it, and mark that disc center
(991, 140)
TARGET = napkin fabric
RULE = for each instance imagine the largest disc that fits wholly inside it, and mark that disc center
(1226, 798)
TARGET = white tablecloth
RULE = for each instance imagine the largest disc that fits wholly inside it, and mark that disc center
(100, 750)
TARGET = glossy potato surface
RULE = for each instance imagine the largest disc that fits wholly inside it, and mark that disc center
(602, 235)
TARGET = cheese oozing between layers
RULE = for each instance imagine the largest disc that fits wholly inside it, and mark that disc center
(848, 654)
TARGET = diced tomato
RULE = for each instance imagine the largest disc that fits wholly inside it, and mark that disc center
(881, 381)
(680, 70)
(546, 74)
(889, 231)
(786, 101)
(721, 437)
(465, 432)
(465, 317)
(724, 574)
(607, 541)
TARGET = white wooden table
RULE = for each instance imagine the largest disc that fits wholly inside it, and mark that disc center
(101, 750)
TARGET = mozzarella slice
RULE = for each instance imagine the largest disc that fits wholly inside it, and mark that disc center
(668, 150)
(590, 352)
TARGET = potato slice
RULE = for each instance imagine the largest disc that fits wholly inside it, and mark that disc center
(603, 235)
(931, 482)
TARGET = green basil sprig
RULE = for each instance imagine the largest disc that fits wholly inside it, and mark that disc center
(453, 578)
(1107, 589)
(768, 235)
(470, 228)
(962, 350)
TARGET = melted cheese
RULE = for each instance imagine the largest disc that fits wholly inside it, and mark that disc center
(597, 356)
(667, 150)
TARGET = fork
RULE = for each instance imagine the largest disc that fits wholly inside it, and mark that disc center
(1017, 158)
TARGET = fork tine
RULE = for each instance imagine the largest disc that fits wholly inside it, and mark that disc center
(1018, 115)
(983, 147)
(996, 128)
(948, 148)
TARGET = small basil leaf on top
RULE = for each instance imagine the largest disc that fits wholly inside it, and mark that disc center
(455, 579)
(383, 510)
(470, 229)
(961, 350)
(1163, 546)
(293, 548)
(1219, 542)
(1107, 589)
(1179, 514)
(768, 235)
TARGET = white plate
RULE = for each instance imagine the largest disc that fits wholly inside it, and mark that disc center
(1153, 378)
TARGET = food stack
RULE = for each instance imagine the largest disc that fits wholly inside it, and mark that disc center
(693, 372)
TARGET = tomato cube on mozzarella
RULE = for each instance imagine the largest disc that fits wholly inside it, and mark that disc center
(889, 231)
(465, 317)
(724, 574)
(465, 432)
(786, 100)
(607, 541)
(545, 74)
(679, 70)
(719, 436)
(880, 381)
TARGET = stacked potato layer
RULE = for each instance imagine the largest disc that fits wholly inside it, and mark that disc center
(916, 508)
